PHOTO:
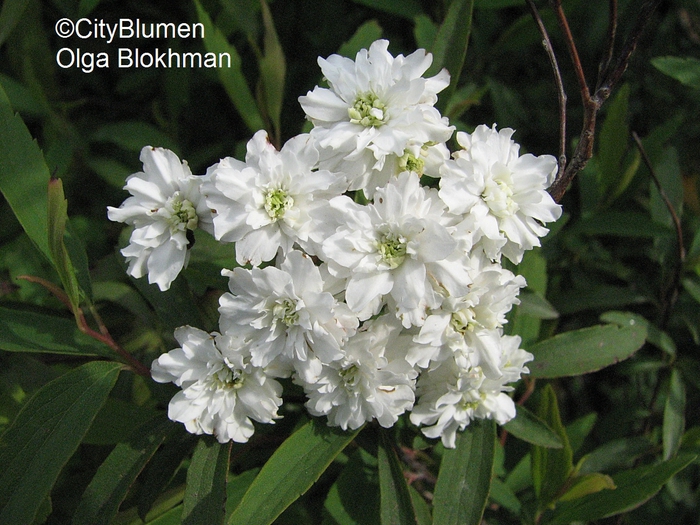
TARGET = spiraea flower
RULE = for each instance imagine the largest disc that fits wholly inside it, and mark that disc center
(390, 248)
(222, 392)
(454, 393)
(271, 201)
(284, 313)
(371, 381)
(165, 205)
(377, 115)
(503, 192)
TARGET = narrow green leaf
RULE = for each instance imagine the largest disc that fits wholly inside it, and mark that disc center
(205, 495)
(550, 467)
(534, 305)
(232, 79)
(464, 479)
(354, 497)
(23, 175)
(25, 331)
(674, 415)
(684, 69)
(655, 336)
(450, 46)
(668, 173)
(273, 69)
(578, 430)
(586, 350)
(290, 472)
(133, 136)
(45, 434)
(615, 455)
(10, 14)
(403, 8)
(621, 224)
(634, 487)
(692, 286)
(57, 218)
(108, 488)
(587, 484)
(421, 508)
(396, 507)
(502, 495)
(528, 427)
(614, 139)
(424, 31)
(362, 39)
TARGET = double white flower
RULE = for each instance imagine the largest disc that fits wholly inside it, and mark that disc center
(377, 117)
(165, 205)
(392, 250)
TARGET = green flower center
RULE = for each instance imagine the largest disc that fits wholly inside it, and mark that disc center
(392, 249)
(367, 110)
(277, 202)
(228, 378)
(351, 376)
(286, 311)
(463, 321)
(183, 215)
(409, 162)
(498, 194)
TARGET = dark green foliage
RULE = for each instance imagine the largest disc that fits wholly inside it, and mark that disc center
(607, 428)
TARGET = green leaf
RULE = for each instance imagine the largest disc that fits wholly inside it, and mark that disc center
(231, 78)
(10, 14)
(23, 176)
(692, 286)
(450, 47)
(396, 507)
(502, 495)
(290, 472)
(205, 495)
(528, 427)
(362, 39)
(534, 305)
(403, 8)
(25, 331)
(613, 145)
(655, 336)
(587, 484)
(615, 454)
(684, 69)
(57, 218)
(668, 173)
(45, 434)
(117, 421)
(464, 479)
(674, 415)
(551, 467)
(354, 497)
(108, 488)
(634, 487)
(586, 350)
(273, 68)
(424, 31)
(621, 224)
(133, 136)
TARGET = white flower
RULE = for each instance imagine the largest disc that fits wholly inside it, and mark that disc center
(471, 324)
(165, 204)
(504, 193)
(377, 115)
(454, 393)
(272, 200)
(372, 380)
(285, 312)
(221, 390)
(393, 247)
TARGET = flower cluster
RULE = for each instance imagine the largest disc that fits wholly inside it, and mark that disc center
(375, 307)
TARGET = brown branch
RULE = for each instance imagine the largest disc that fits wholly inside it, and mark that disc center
(669, 295)
(608, 78)
(103, 336)
(561, 94)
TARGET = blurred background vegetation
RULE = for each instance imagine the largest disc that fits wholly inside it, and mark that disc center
(615, 249)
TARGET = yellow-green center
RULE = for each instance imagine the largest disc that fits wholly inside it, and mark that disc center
(367, 110)
(392, 249)
(277, 201)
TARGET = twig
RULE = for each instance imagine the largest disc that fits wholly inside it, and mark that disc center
(670, 294)
(611, 71)
(103, 336)
(561, 94)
